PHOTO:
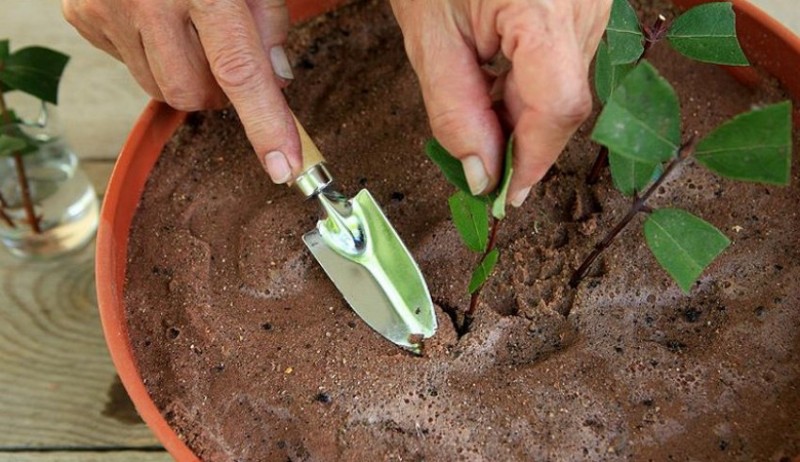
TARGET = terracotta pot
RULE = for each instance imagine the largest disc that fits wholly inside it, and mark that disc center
(766, 42)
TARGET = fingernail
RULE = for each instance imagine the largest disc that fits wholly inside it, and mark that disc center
(280, 63)
(520, 197)
(278, 167)
(476, 174)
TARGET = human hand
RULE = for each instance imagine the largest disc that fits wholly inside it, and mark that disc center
(550, 44)
(200, 54)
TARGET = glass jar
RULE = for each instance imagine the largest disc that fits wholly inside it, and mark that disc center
(62, 200)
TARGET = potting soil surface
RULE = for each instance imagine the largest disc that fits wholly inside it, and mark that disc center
(251, 354)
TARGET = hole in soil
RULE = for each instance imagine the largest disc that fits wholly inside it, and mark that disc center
(460, 322)
(173, 333)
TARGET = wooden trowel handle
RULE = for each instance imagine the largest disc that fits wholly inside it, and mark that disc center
(315, 177)
(309, 150)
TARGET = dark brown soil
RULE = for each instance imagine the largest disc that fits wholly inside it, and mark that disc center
(252, 355)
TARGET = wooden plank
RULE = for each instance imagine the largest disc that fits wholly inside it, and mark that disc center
(80, 456)
(98, 171)
(59, 387)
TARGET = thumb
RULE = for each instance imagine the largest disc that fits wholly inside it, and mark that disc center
(459, 106)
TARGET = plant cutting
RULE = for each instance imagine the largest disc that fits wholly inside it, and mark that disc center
(471, 219)
(640, 128)
(37, 72)
(47, 205)
(237, 346)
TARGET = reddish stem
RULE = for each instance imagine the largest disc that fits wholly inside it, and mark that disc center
(473, 302)
(652, 35)
(600, 162)
(25, 190)
(22, 177)
(639, 205)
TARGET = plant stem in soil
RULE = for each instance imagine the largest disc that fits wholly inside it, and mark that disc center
(652, 35)
(639, 205)
(22, 177)
(473, 302)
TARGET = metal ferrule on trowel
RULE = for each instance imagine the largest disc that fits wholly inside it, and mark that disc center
(342, 230)
(364, 257)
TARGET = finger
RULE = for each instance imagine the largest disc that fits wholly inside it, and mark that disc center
(178, 64)
(592, 20)
(85, 27)
(272, 22)
(130, 48)
(457, 99)
(547, 96)
(234, 50)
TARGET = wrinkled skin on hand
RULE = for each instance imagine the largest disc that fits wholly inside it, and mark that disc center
(546, 95)
(200, 54)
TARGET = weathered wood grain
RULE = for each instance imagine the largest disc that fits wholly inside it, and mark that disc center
(58, 385)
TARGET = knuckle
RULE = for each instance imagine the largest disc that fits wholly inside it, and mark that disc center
(183, 98)
(237, 69)
(70, 12)
(446, 124)
(578, 106)
(572, 106)
(83, 12)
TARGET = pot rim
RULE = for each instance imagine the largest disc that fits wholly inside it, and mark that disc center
(154, 127)
(157, 123)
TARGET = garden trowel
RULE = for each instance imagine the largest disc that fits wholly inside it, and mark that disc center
(364, 257)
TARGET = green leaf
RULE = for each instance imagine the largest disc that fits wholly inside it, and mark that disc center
(11, 144)
(607, 76)
(630, 176)
(471, 220)
(755, 146)
(708, 33)
(36, 71)
(449, 165)
(683, 244)
(499, 202)
(624, 34)
(483, 271)
(641, 120)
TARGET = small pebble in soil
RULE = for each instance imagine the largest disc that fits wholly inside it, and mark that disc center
(675, 346)
(759, 311)
(691, 315)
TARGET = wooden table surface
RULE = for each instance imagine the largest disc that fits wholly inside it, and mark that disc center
(60, 398)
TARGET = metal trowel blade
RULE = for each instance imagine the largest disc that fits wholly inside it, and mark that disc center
(383, 283)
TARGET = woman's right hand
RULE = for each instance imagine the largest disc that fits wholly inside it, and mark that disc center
(200, 54)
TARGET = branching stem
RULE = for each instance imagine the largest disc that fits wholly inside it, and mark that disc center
(652, 35)
(639, 205)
